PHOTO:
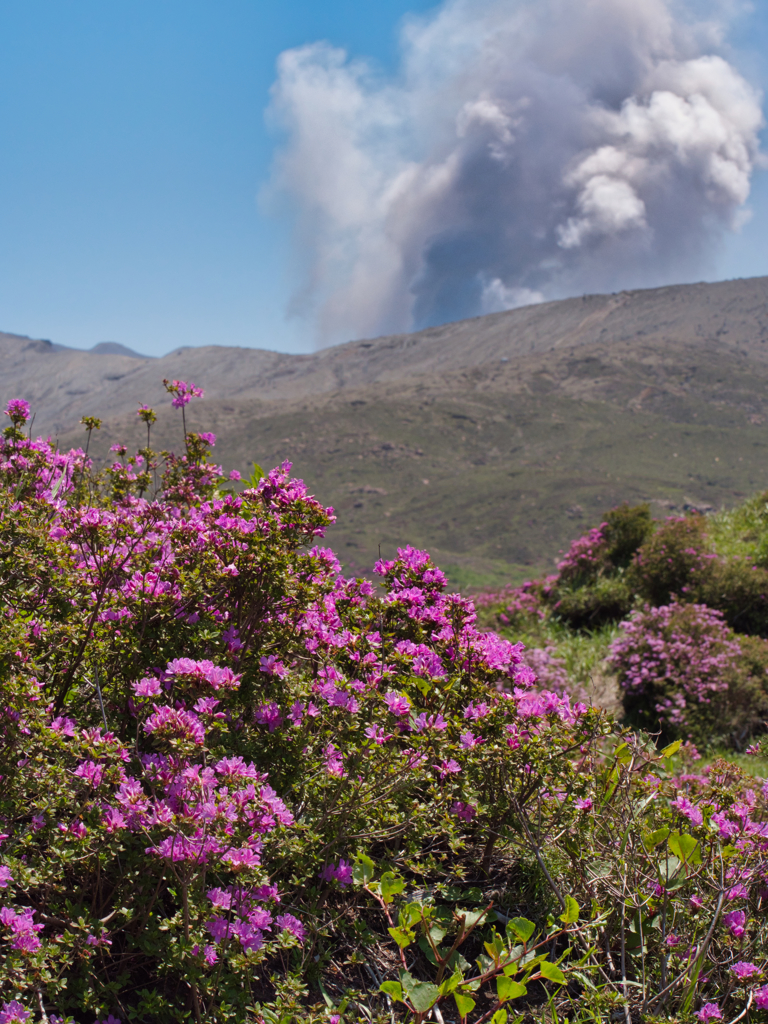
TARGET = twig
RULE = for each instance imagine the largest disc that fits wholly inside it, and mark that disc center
(101, 701)
(744, 1011)
(44, 1015)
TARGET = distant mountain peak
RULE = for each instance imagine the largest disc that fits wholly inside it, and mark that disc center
(114, 348)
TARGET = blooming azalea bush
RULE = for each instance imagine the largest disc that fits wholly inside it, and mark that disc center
(226, 769)
(683, 669)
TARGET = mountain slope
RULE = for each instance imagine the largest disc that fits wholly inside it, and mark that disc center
(488, 441)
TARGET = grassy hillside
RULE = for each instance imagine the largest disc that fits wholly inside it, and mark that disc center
(493, 469)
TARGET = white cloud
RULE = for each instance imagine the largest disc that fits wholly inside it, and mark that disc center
(526, 149)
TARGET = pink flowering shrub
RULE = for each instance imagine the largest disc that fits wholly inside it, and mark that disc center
(227, 768)
(674, 562)
(682, 670)
(585, 558)
(191, 689)
(679, 560)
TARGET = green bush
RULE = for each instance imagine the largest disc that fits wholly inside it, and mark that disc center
(739, 589)
(608, 599)
(674, 561)
(627, 528)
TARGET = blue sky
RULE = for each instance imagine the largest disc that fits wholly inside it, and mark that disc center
(134, 150)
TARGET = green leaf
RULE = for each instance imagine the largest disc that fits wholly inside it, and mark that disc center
(654, 838)
(393, 989)
(428, 952)
(508, 988)
(497, 947)
(552, 972)
(451, 984)
(391, 885)
(457, 962)
(326, 998)
(472, 918)
(500, 1017)
(571, 915)
(520, 928)
(409, 915)
(363, 870)
(673, 748)
(671, 872)
(513, 965)
(612, 783)
(421, 994)
(421, 684)
(685, 847)
(401, 936)
(464, 1004)
(623, 754)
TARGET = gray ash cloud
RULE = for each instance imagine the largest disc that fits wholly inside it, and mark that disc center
(523, 151)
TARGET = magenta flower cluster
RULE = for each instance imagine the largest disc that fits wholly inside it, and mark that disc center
(285, 689)
(672, 661)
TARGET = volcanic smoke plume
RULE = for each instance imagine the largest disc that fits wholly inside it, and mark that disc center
(526, 150)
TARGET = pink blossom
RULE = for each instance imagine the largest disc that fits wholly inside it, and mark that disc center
(744, 969)
(5, 876)
(464, 811)
(709, 1011)
(291, 924)
(377, 734)
(218, 928)
(207, 706)
(13, 1012)
(147, 687)
(427, 722)
(63, 725)
(738, 892)
(17, 410)
(691, 811)
(761, 997)
(583, 804)
(231, 638)
(449, 767)
(342, 873)
(334, 764)
(269, 715)
(220, 899)
(475, 711)
(182, 392)
(272, 666)
(241, 859)
(397, 703)
(172, 723)
(90, 772)
(22, 927)
(113, 819)
(735, 922)
(204, 672)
